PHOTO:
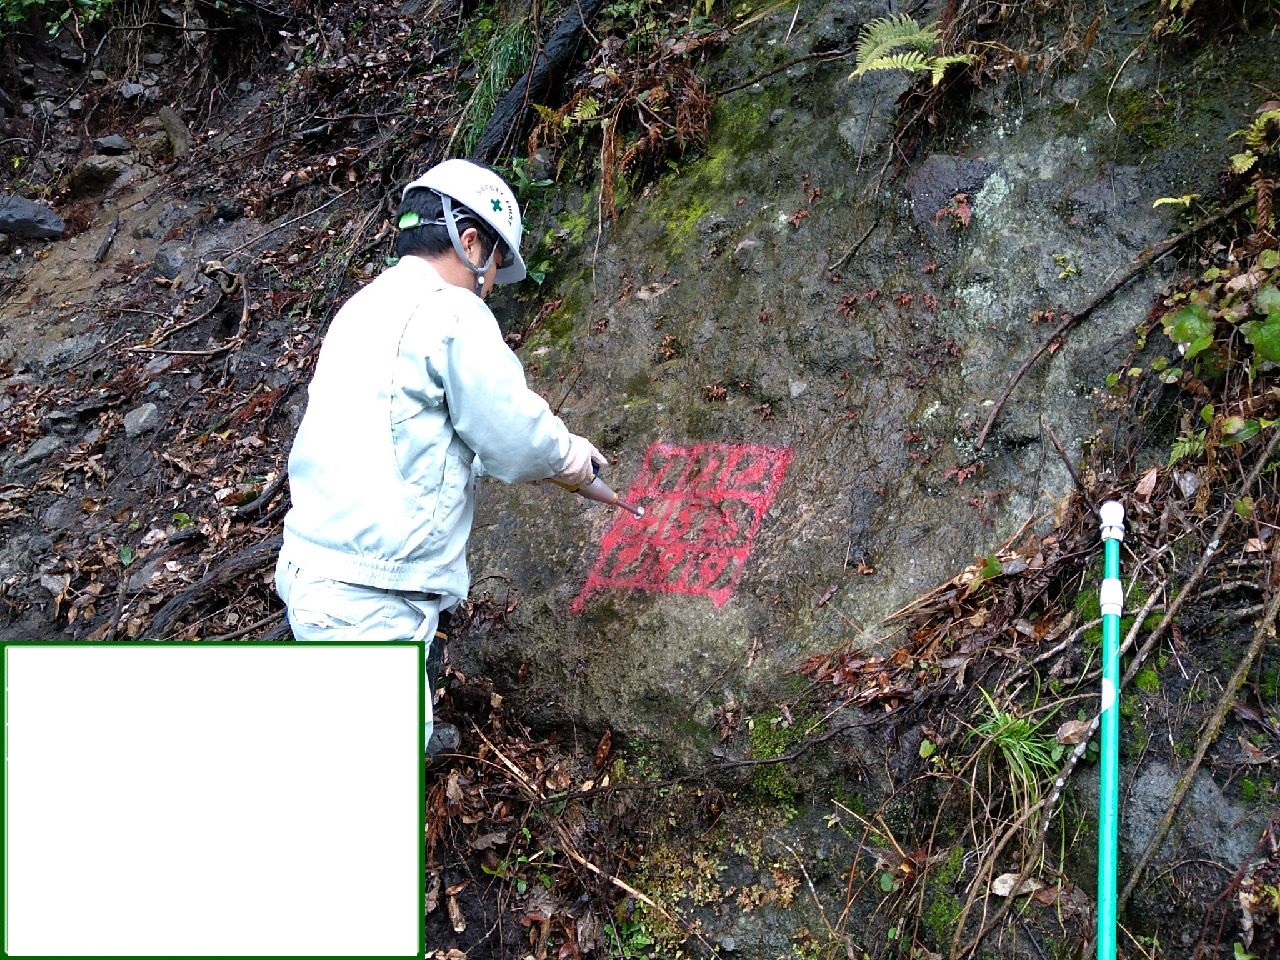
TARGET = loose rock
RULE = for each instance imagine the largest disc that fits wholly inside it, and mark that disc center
(178, 133)
(40, 450)
(24, 218)
(141, 419)
(94, 175)
(131, 91)
(112, 144)
(170, 259)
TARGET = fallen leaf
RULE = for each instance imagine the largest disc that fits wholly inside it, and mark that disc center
(488, 840)
(1146, 485)
(1002, 886)
(456, 919)
(433, 893)
(603, 748)
(1074, 731)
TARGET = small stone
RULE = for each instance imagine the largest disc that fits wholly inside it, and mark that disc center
(244, 86)
(130, 91)
(40, 450)
(61, 514)
(25, 66)
(98, 76)
(113, 144)
(72, 57)
(75, 105)
(155, 59)
(141, 419)
(94, 175)
(24, 218)
(171, 258)
(798, 387)
(177, 130)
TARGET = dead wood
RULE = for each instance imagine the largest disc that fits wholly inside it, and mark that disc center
(549, 68)
(247, 561)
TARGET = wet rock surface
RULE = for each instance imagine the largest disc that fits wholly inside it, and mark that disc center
(27, 219)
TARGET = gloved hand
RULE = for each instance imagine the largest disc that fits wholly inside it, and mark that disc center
(578, 469)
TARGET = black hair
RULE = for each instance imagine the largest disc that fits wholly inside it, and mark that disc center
(432, 239)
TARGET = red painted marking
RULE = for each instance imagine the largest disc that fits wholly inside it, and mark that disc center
(703, 506)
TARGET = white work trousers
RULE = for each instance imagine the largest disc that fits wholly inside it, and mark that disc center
(321, 610)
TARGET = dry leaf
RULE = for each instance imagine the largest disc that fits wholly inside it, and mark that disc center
(456, 919)
(1074, 731)
(1146, 485)
(433, 893)
(603, 748)
(488, 840)
(1002, 886)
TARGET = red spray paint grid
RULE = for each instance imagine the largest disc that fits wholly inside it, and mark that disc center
(703, 506)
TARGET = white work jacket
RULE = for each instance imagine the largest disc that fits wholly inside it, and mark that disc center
(413, 382)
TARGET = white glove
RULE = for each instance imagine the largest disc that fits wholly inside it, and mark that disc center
(578, 469)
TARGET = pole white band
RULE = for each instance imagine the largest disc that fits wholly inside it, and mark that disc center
(1111, 597)
(1111, 515)
(1108, 695)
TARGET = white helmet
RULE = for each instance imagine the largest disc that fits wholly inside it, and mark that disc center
(487, 198)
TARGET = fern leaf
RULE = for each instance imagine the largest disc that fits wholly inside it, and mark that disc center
(1243, 162)
(882, 36)
(913, 61)
(939, 64)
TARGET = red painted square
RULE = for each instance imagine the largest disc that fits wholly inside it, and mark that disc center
(703, 505)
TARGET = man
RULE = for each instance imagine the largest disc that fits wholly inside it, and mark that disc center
(415, 392)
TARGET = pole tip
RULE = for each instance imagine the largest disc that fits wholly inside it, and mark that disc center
(1111, 513)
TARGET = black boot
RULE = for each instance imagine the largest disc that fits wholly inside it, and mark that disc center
(445, 737)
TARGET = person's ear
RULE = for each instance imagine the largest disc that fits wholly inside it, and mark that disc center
(469, 237)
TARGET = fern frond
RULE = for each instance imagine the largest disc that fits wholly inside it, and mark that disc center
(939, 64)
(913, 61)
(1243, 162)
(1256, 135)
(882, 36)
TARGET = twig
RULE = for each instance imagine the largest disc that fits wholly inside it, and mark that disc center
(119, 607)
(1140, 264)
(105, 245)
(160, 338)
(854, 249)
(1210, 551)
(1075, 477)
(1048, 804)
(823, 57)
(261, 500)
(1266, 630)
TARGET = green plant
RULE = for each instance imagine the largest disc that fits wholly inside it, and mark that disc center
(881, 47)
(55, 14)
(1026, 753)
(1258, 140)
(501, 54)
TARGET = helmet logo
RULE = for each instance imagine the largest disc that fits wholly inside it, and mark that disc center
(497, 205)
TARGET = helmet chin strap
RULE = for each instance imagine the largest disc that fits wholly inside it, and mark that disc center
(451, 225)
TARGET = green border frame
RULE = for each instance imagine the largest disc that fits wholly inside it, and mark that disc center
(418, 759)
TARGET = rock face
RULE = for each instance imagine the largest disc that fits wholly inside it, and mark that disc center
(29, 220)
(786, 357)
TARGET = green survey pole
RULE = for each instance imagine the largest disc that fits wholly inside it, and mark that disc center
(1111, 600)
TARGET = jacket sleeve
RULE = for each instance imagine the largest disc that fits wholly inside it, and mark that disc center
(510, 428)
